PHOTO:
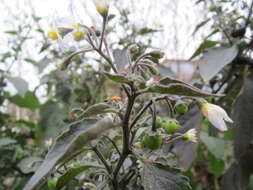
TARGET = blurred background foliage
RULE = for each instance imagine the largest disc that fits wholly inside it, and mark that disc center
(36, 97)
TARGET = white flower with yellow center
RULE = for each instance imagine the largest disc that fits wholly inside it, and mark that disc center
(190, 135)
(102, 6)
(216, 115)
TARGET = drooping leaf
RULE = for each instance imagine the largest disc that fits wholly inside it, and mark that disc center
(30, 100)
(204, 45)
(69, 175)
(117, 77)
(215, 59)
(176, 87)
(20, 84)
(121, 58)
(79, 134)
(215, 146)
(159, 177)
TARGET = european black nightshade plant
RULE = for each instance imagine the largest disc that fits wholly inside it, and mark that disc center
(134, 158)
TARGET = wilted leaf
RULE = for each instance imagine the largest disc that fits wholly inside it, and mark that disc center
(20, 84)
(28, 101)
(215, 59)
(79, 134)
(121, 58)
(204, 45)
(69, 175)
(159, 177)
(215, 146)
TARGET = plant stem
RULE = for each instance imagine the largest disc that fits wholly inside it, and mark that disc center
(103, 32)
(103, 160)
(126, 133)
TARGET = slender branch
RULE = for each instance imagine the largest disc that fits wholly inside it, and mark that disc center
(141, 112)
(153, 116)
(103, 160)
(103, 32)
(170, 107)
(114, 144)
(249, 15)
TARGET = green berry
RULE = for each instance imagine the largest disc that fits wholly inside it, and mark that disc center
(152, 141)
(181, 108)
(160, 123)
(171, 126)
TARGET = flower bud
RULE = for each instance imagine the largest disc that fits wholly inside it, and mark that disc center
(102, 6)
(216, 115)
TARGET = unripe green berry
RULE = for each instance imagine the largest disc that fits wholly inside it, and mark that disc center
(171, 126)
(181, 108)
(152, 141)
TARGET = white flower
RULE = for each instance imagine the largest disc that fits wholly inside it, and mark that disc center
(216, 115)
(191, 135)
(102, 6)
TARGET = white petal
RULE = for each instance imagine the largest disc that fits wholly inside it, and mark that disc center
(217, 120)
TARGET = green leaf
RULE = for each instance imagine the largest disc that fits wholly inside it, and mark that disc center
(159, 177)
(146, 30)
(69, 175)
(6, 141)
(32, 61)
(204, 45)
(12, 32)
(215, 166)
(215, 59)
(176, 87)
(79, 134)
(28, 101)
(117, 78)
(20, 84)
(214, 145)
